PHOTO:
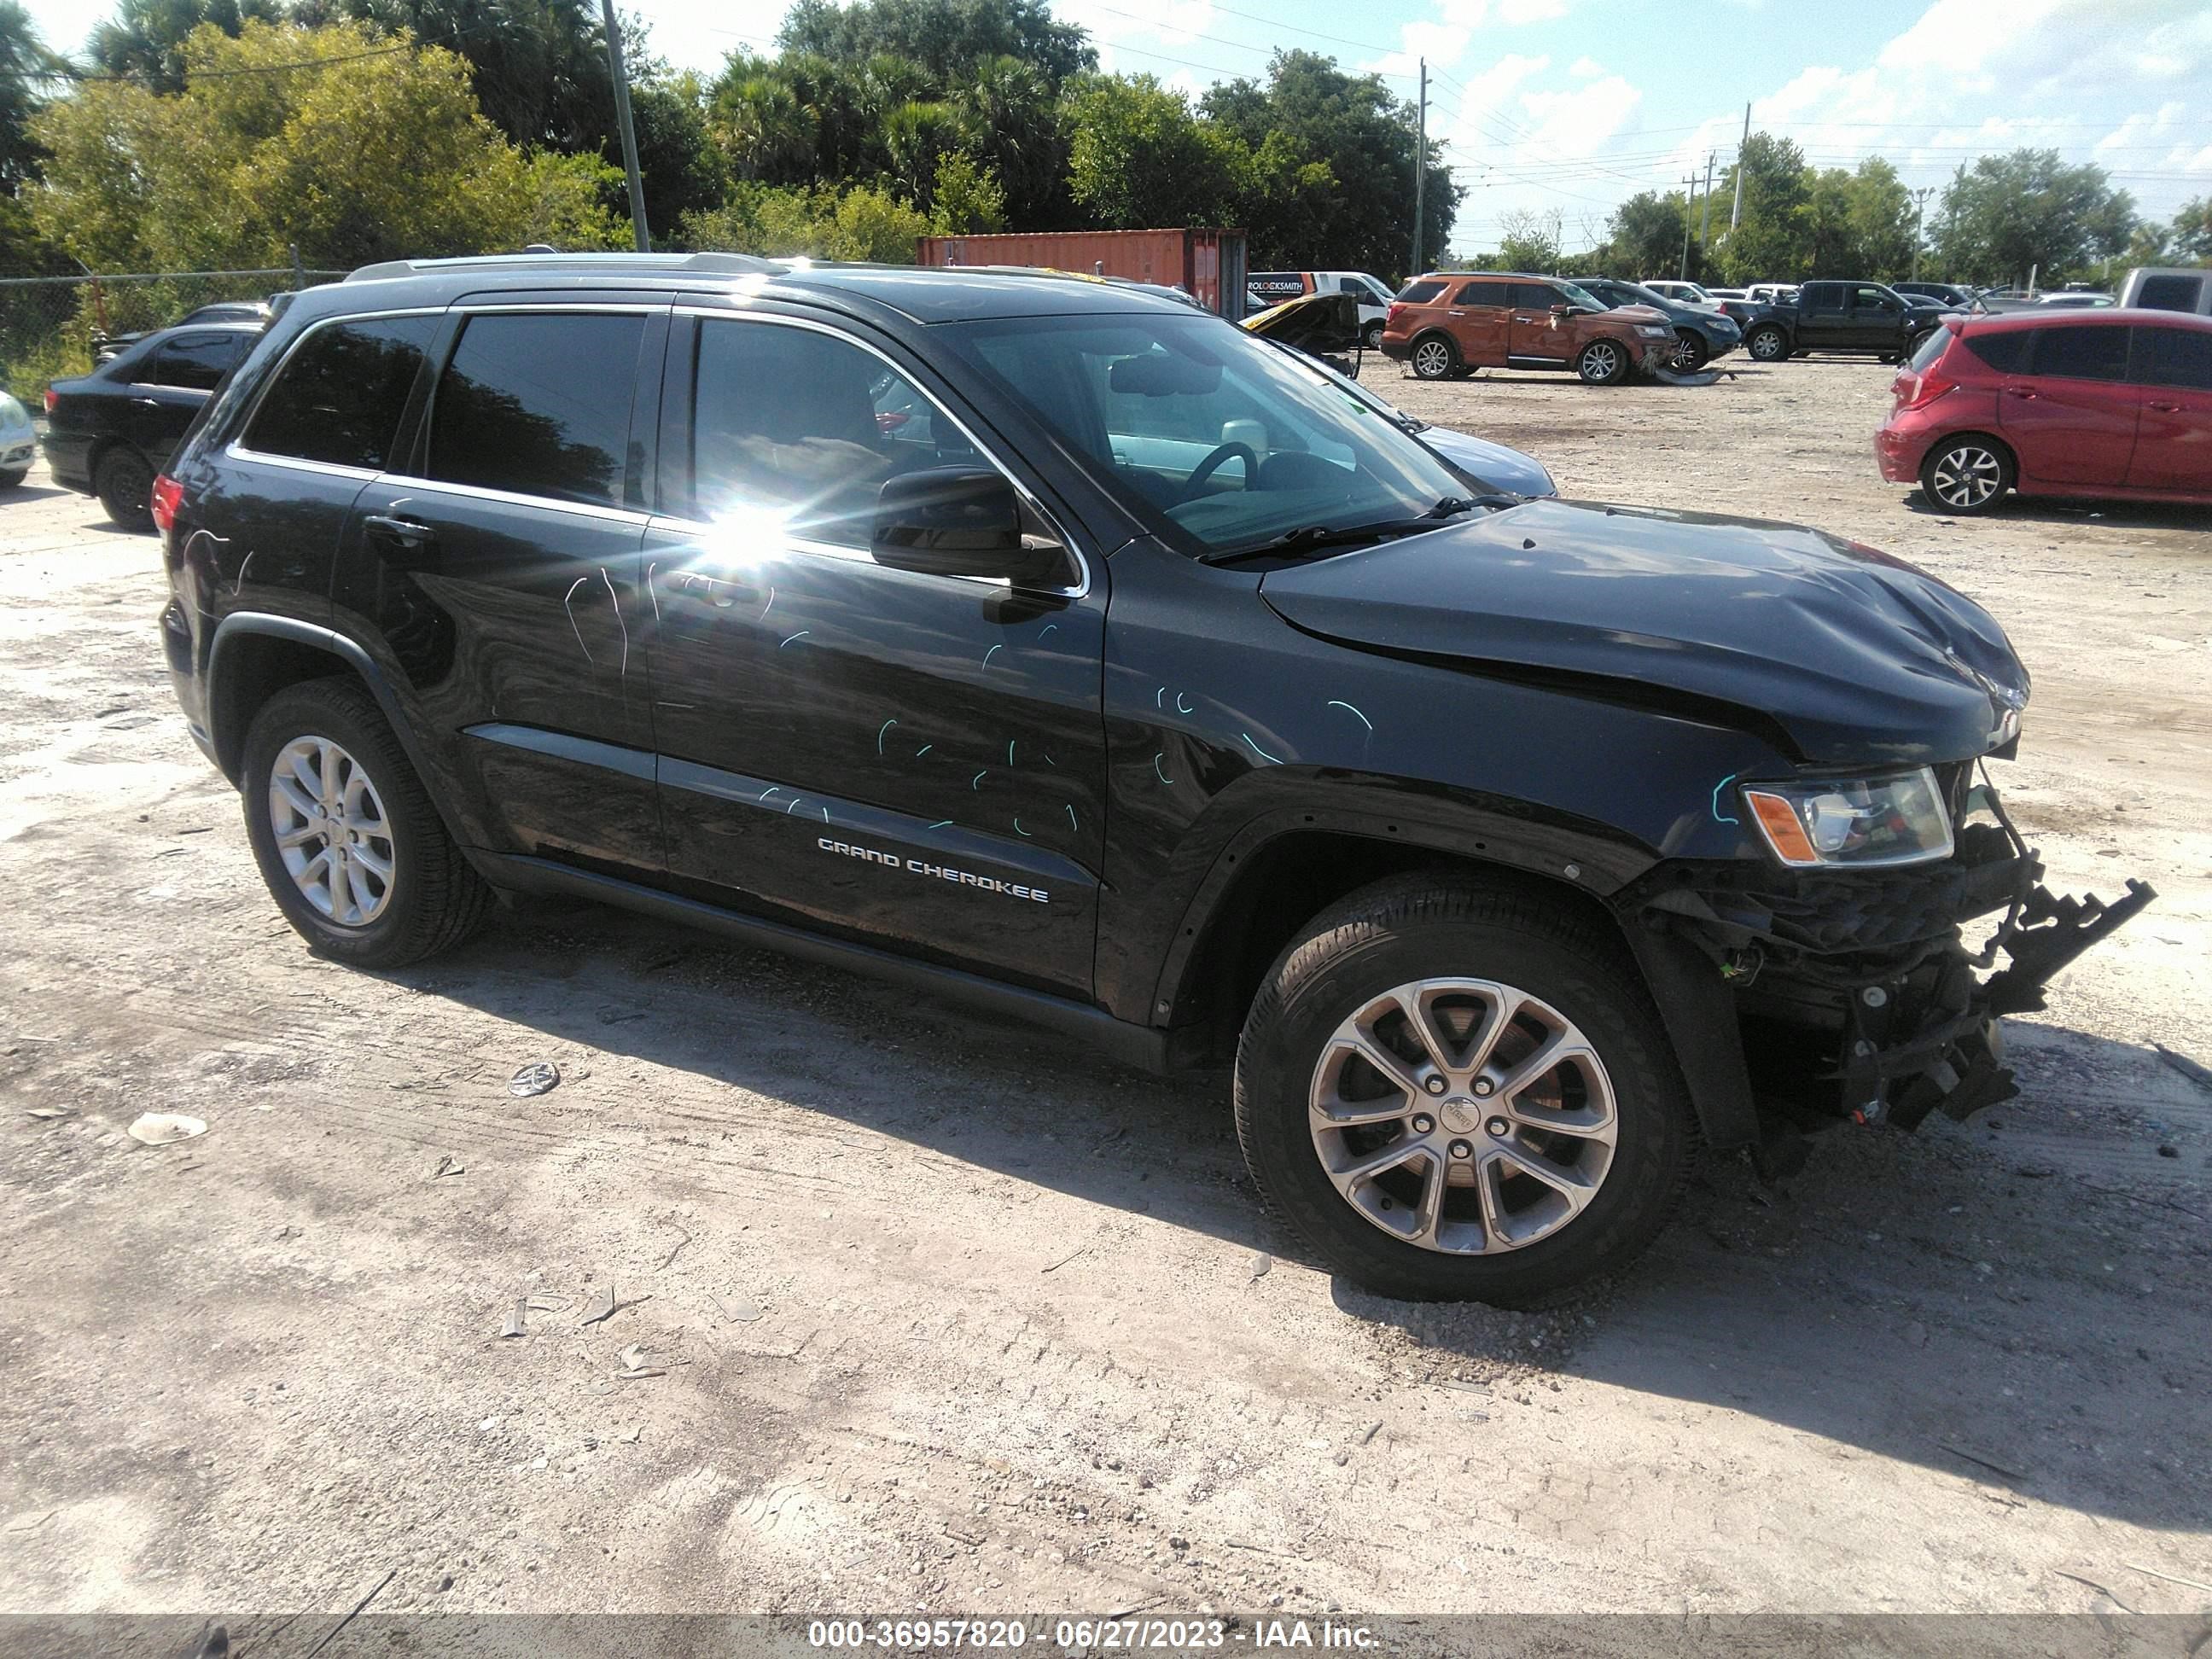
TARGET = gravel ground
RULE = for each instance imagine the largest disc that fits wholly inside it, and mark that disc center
(936, 1314)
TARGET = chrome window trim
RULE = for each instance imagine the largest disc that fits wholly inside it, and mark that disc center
(1079, 589)
(515, 498)
(236, 449)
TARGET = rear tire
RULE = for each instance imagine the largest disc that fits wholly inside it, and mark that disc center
(1457, 1215)
(1967, 474)
(1603, 362)
(1434, 357)
(1767, 345)
(1371, 337)
(373, 879)
(124, 480)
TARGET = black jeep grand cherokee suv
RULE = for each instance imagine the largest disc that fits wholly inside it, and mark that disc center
(1042, 640)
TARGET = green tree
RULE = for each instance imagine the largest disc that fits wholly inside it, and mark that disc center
(144, 41)
(1012, 115)
(948, 37)
(26, 67)
(376, 157)
(1531, 242)
(1645, 236)
(681, 166)
(918, 135)
(819, 222)
(1770, 243)
(1352, 125)
(539, 66)
(1138, 158)
(968, 199)
(2006, 214)
(2191, 234)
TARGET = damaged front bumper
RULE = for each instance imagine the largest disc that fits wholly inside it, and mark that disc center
(1856, 996)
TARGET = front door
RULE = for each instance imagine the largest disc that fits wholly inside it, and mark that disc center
(2072, 417)
(918, 761)
(1874, 318)
(2173, 377)
(498, 569)
(1537, 337)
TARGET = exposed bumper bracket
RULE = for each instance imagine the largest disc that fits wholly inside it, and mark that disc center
(2054, 932)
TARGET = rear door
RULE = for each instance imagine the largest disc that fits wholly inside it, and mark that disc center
(1537, 339)
(1480, 317)
(497, 571)
(175, 381)
(1823, 314)
(2172, 370)
(2071, 418)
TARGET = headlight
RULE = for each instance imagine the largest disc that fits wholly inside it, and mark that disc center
(1654, 331)
(1899, 819)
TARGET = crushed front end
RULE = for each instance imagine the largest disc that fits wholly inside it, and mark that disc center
(1875, 994)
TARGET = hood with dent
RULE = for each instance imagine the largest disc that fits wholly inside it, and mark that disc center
(1860, 659)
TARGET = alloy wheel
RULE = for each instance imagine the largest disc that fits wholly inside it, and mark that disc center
(1599, 362)
(1687, 355)
(1767, 346)
(1432, 360)
(332, 831)
(1966, 476)
(1462, 1116)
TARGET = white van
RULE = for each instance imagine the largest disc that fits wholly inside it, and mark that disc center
(1272, 287)
(2181, 289)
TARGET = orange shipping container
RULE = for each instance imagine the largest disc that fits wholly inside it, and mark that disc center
(1208, 264)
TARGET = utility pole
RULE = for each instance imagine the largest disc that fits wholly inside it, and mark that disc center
(637, 224)
(1689, 190)
(1919, 217)
(1420, 167)
(1735, 214)
(1706, 230)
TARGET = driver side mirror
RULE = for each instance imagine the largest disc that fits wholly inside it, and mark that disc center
(962, 521)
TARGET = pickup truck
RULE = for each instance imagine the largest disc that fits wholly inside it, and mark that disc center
(1832, 316)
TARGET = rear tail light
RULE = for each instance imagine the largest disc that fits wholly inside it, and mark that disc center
(51, 400)
(1391, 315)
(1919, 390)
(168, 497)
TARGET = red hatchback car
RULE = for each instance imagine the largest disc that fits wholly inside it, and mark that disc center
(2108, 404)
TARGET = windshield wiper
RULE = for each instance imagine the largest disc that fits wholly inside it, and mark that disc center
(1308, 536)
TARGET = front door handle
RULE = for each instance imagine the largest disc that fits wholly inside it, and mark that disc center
(2021, 392)
(2167, 409)
(411, 535)
(150, 403)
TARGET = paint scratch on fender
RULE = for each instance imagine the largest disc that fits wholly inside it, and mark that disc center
(1256, 749)
(567, 603)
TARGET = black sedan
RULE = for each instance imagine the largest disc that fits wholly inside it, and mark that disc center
(109, 433)
(1701, 332)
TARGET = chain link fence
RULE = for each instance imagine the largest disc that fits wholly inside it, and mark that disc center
(50, 327)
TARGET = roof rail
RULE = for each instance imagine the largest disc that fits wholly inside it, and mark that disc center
(732, 265)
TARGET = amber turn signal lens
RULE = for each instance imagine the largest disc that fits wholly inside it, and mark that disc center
(1784, 833)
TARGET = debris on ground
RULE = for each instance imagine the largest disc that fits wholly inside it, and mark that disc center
(518, 1318)
(537, 1078)
(738, 1311)
(51, 1111)
(1984, 1459)
(2171, 1578)
(547, 1304)
(603, 1305)
(447, 1165)
(2095, 1586)
(636, 1364)
(1260, 1263)
(161, 1129)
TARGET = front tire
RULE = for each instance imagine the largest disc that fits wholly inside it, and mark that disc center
(347, 842)
(1454, 1092)
(13, 477)
(1434, 357)
(1967, 475)
(1768, 344)
(1689, 354)
(124, 480)
(1603, 362)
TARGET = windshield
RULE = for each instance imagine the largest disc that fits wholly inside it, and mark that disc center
(1217, 441)
(1580, 296)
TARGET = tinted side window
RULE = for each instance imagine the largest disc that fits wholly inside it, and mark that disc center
(2169, 293)
(1871, 299)
(537, 403)
(196, 360)
(1419, 294)
(2092, 353)
(1485, 293)
(1535, 296)
(2006, 353)
(801, 429)
(2174, 356)
(338, 397)
(1821, 296)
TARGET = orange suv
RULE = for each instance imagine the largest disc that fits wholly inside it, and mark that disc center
(1449, 322)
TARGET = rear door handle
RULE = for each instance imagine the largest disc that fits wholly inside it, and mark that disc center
(411, 534)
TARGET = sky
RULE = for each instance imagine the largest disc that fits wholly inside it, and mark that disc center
(1573, 105)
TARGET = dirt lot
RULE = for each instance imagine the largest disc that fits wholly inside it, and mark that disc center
(942, 1314)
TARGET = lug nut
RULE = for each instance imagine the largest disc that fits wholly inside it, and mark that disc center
(1874, 996)
(1434, 1085)
(1485, 1087)
(1461, 1149)
(1498, 1126)
(1424, 1123)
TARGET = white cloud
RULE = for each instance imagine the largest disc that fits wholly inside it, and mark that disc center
(1530, 11)
(1585, 69)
